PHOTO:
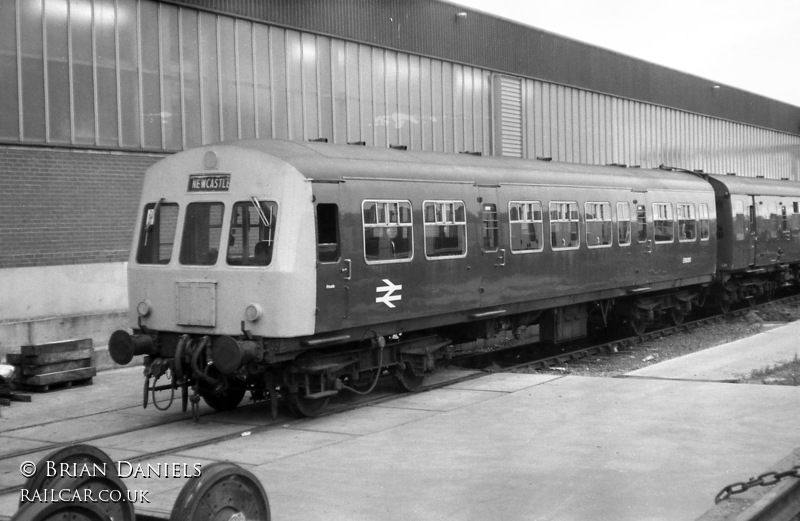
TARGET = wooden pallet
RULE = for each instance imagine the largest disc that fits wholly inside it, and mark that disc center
(44, 367)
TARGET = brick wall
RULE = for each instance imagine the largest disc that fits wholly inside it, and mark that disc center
(68, 206)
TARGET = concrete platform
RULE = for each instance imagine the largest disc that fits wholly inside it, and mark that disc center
(732, 361)
(504, 446)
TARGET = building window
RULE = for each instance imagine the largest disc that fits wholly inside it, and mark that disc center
(564, 228)
(525, 226)
(445, 229)
(663, 222)
(598, 225)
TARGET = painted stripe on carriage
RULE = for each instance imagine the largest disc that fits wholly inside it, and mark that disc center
(389, 289)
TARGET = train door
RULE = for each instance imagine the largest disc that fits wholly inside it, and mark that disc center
(642, 249)
(766, 230)
(491, 248)
(333, 266)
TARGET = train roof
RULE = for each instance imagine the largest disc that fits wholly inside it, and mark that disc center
(327, 162)
(729, 184)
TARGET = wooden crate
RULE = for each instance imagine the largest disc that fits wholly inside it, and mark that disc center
(43, 367)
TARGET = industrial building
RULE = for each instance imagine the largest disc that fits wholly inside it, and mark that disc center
(95, 91)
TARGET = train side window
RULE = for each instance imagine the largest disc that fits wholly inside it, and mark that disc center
(388, 231)
(159, 223)
(445, 229)
(202, 230)
(328, 232)
(564, 227)
(785, 233)
(641, 223)
(624, 224)
(598, 225)
(663, 223)
(251, 240)
(705, 222)
(771, 213)
(490, 227)
(687, 222)
(525, 226)
(738, 220)
(795, 219)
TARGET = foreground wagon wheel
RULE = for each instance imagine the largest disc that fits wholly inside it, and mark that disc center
(724, 305)
(308, 407)
(224, 491)
(407, 378)
(78, 455)
(61, 512)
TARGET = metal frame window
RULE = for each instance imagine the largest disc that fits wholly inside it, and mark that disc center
(705, 222)
(526, 229)
(687, 222)
(251, 240)
(159, 224)
(202, 231)
(663, 223)
(388, 231)
(641, 223)
(445, 229)
(564, 225)
(737, 208)
(598, 224)
(624, 224)
(490, 227)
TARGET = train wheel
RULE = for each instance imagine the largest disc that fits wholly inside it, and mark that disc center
(225, 400)
(407, 378)
(224, 491)
(724, 305)
(638, 326)
(676, 316)
(308, 407)
(61, 512)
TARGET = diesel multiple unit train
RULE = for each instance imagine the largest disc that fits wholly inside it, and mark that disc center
(307, 268)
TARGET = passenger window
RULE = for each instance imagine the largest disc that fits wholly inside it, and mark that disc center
(159, 223)
(387, 231)
(687, 222)
(598, 225)
(202, 230)
(785, 233)
(624, 224)
(738, 220)
(564, 228)
(525, 226)
(641, 223)
(251, 240)
(328, 232)
(705, 223)
(663, 223)
(795, 220)
(445, 229)
(490, 227)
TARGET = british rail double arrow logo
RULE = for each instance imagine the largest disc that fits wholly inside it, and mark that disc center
(388, 291)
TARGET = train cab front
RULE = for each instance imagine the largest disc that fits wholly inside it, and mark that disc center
(222, 266)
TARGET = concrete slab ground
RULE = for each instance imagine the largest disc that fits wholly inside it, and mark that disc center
(729, 362)
(504, 446)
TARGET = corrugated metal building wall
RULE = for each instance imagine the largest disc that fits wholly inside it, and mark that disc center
(156, 76)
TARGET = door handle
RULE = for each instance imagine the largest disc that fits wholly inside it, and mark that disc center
(347, 269)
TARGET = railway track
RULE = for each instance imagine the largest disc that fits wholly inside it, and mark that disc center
(521, 355)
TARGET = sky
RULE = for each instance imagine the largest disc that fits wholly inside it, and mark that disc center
(753, 45)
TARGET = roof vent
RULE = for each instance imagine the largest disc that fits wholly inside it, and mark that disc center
(471, 153)
(358, 143)
(731, 173)
(544, 158)
(399, 147)
(759, 177)
(621, 165)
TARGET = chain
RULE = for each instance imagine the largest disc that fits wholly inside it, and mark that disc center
(764, 480)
